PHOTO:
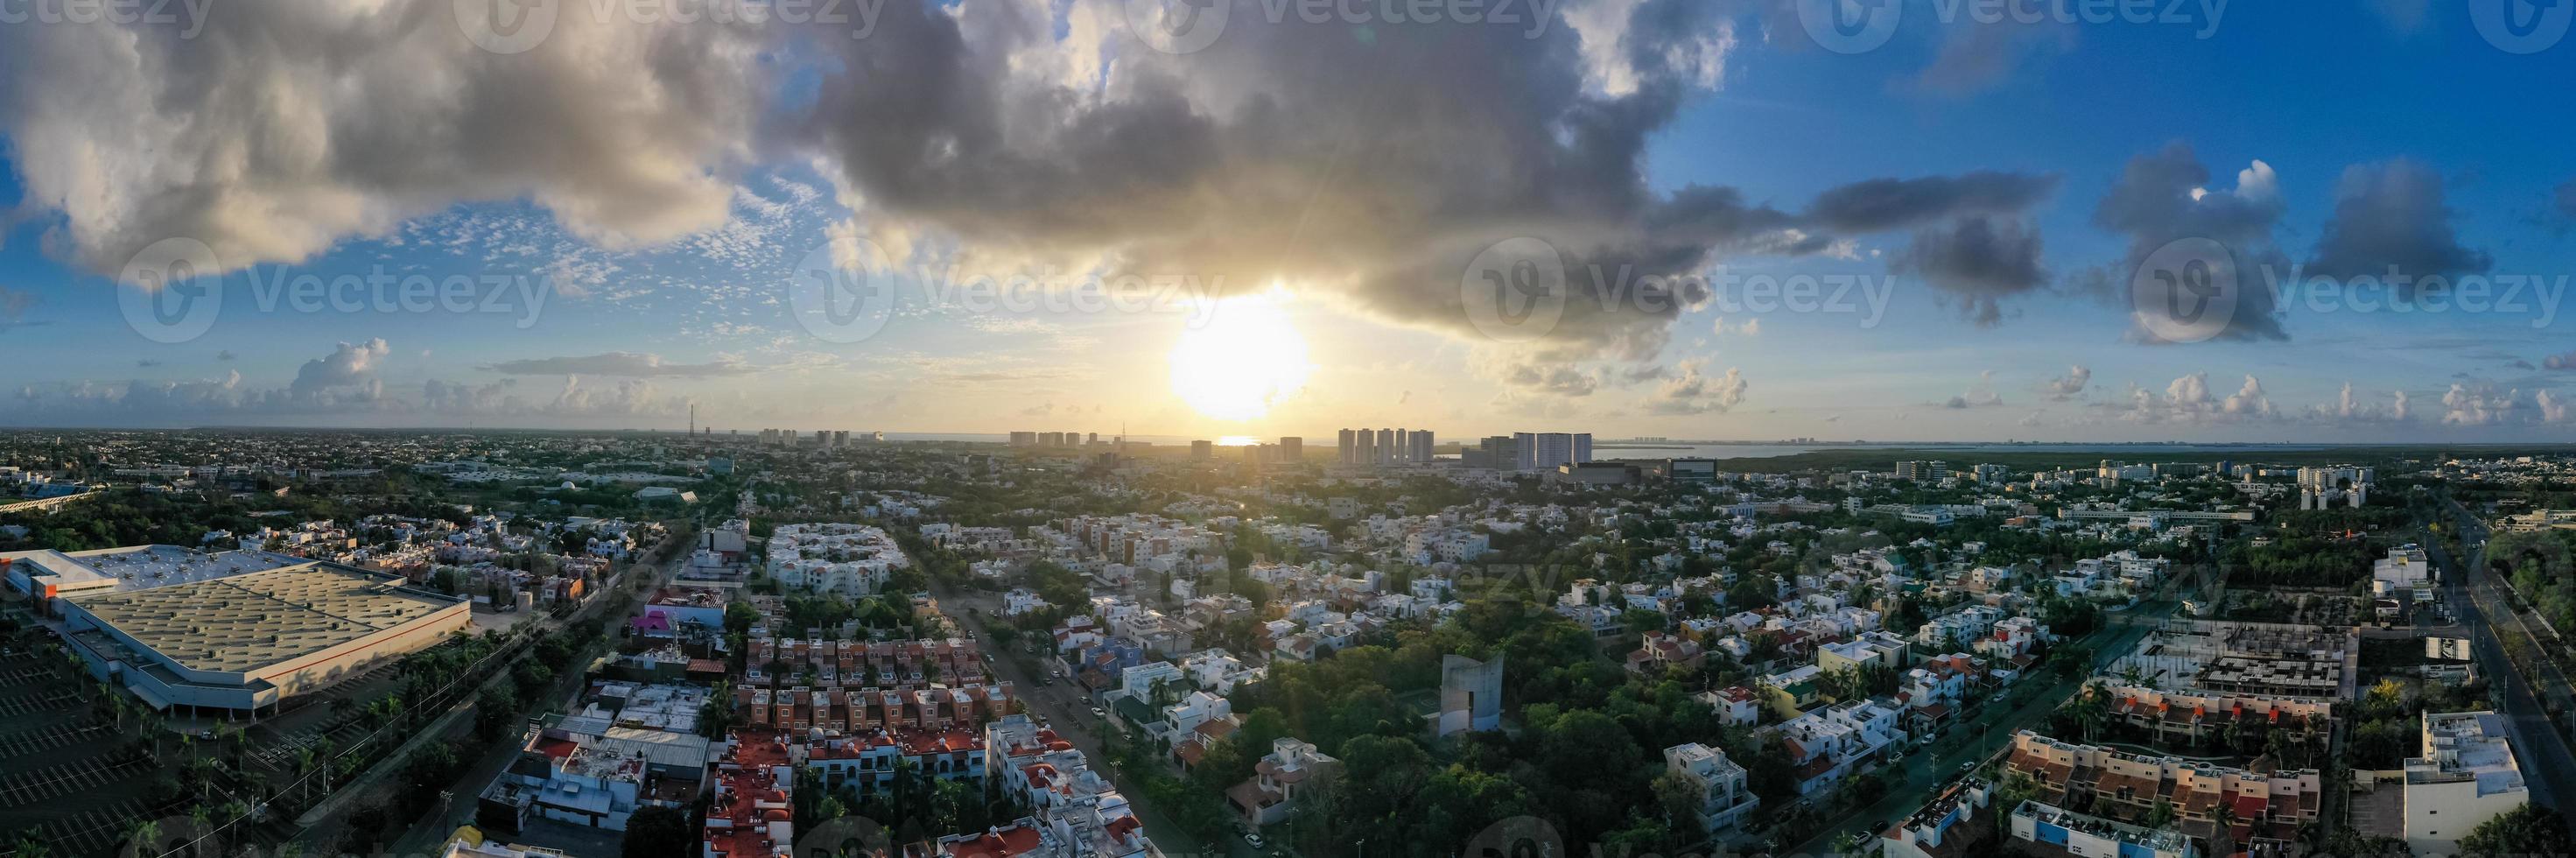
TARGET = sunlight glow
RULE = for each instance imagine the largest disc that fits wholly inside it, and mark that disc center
(1241, 359)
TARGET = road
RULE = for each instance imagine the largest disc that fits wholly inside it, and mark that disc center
(1065, 708)
(2548, 767)
(426, 836)
(1990, 733)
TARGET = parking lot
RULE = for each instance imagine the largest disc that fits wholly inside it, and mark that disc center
(66, 773)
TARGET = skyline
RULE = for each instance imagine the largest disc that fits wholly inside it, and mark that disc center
(1288, 223)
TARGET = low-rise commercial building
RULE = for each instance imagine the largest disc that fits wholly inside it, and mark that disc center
(2465, 776)
(245, 642)
(2096, 837)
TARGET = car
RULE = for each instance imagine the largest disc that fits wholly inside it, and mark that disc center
(1967, 767)
(1253, 838)
(1099, 711)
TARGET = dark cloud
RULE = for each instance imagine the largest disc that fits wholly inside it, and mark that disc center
(1977, 261)
(1000, 136)
(275, 131)
(2163, 197)
(1878, 205)
(1268, 157)
(1265, 157)
(2392, 217)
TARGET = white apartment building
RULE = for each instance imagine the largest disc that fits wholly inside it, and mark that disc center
(849, 559)
(2465, 777)
(1723, 798)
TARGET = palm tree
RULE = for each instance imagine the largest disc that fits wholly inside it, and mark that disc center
(143, 831)
(28, 846)
(235, 811)
(2092, 710)
(235, 740)
(2225, 816)
(2158, 816)
(304, 770)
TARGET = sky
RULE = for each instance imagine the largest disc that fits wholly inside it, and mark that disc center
(1708, 219)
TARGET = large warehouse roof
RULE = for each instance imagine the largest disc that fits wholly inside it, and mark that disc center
(245, 622)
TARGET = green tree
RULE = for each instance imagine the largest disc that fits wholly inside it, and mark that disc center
(2527, 830)
(655, 831)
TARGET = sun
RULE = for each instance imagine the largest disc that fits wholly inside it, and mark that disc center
(1240, 357)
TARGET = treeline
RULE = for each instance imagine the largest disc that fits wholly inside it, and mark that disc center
(2299, 560)
(1584, 750)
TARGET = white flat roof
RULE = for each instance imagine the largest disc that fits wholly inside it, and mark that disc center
(144, 567)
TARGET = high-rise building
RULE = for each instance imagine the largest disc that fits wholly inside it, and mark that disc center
(1202, 450)
(1372, 446)
(1540, 451)
(1292, 450)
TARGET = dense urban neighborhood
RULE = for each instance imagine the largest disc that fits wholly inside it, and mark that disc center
(1058, 644)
